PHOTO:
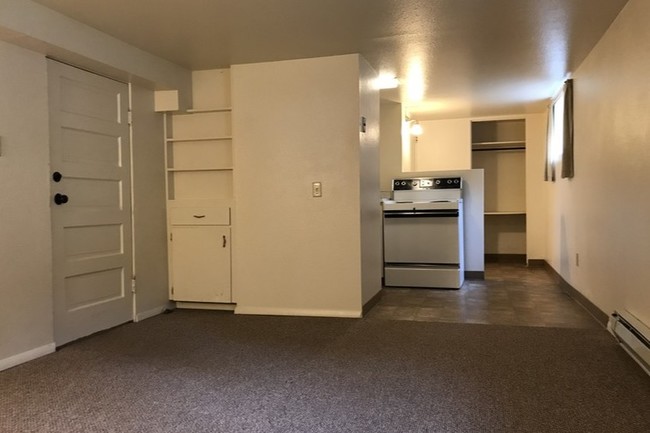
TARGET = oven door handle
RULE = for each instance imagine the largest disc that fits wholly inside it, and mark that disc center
(421, 214)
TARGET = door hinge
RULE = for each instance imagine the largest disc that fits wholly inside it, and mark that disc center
(133, 285)
(172, 290)
(129, 117)
(171, 236)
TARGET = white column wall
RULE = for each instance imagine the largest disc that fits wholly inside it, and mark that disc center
(370, 201)
(297, 122)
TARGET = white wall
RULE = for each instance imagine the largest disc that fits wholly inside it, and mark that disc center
(150, 232)
(25, 232)
(536, 190)
(443, 145)
(390, 148)
(294, 123)
(602, 213)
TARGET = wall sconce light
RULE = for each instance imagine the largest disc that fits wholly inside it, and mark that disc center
(416, 129)
(386, 81)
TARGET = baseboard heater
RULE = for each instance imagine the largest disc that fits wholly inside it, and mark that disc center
(633, 335)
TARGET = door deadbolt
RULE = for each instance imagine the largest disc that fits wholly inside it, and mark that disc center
(60, 199)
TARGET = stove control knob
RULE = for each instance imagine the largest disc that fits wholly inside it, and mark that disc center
(403, 183)
(415, 183)
(449, 181)
(437, 181)
(455, 180)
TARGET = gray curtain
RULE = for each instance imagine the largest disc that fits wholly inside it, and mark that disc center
(567, 139)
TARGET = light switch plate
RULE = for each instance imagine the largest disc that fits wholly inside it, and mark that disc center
(316, 189)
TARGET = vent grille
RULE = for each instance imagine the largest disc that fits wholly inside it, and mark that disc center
(633, 335)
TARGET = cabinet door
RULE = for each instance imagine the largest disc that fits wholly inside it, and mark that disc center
(200, 263)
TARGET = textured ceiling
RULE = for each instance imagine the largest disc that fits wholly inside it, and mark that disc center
(465, 57)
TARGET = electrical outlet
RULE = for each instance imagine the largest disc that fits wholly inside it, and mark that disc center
(316, 189)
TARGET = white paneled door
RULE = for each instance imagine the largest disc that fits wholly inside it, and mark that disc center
(91, 205)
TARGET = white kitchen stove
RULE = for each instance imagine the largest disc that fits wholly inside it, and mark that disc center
(423, 233)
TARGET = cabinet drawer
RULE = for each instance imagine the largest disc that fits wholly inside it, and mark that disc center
(199, 216)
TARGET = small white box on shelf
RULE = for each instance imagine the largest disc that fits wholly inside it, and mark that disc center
(165, 100)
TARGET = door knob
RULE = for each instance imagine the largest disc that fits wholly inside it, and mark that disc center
(56, 176)
(60, 198)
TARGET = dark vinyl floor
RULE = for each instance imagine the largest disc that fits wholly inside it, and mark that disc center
(511, 294)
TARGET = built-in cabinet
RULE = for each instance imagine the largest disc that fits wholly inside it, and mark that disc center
(499, 148)
(199, 180)
(200, 259)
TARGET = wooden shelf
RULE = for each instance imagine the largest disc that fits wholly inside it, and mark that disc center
(180, 140)
(483, 146)
(209, 110)
(495, 143)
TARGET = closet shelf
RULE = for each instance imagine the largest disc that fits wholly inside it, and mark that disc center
(498, 145)
(494, 143)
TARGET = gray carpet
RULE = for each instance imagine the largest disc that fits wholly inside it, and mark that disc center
(199, 371)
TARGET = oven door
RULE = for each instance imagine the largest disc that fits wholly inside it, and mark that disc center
(421, 237)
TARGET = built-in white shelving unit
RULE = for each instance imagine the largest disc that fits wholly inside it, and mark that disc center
(199, 167)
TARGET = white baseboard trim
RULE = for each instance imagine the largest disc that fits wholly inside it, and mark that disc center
(205, 306)
(21, 358)
(150, 313)
(264, 311)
